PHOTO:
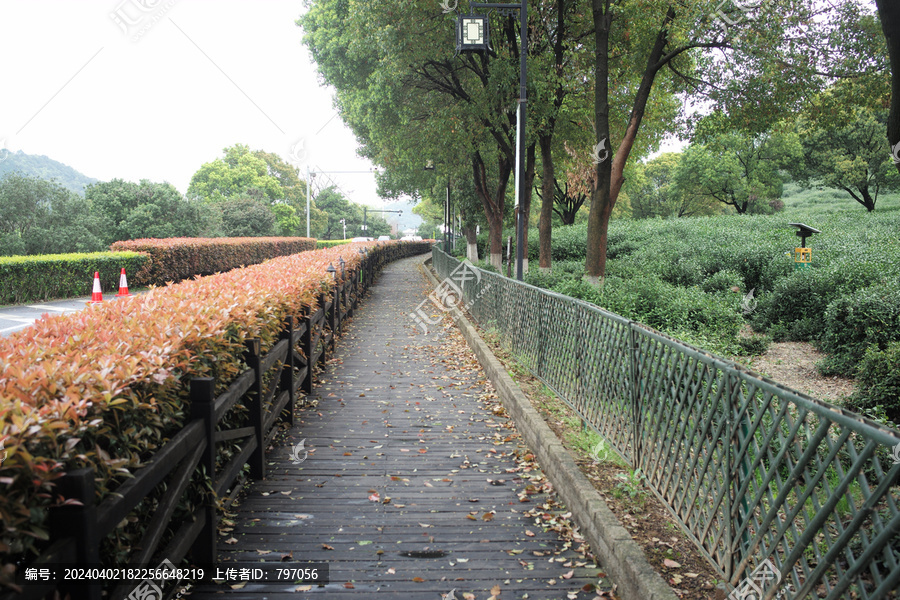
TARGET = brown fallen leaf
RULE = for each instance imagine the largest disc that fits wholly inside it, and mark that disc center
(418, 579)
(495, 591)
(327, 547)
(349, 586)
(568, 575)
(231, 540)
(671, 564)
(302, 588)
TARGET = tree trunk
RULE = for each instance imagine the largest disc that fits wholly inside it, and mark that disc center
(493, 203)
(548, 194)
(528, 184)
(598, 219)
(889, 13)
(471, 243)
(611, 177)
(867, 200)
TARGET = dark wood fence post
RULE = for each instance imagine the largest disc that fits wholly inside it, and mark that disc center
(287, 372)
(79, 522)
(203, 396)
(332, 321)
(254, 405)
(306, 341)
(338, 308)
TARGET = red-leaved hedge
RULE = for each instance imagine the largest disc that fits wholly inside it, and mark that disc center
(176, 259)
(107, 386)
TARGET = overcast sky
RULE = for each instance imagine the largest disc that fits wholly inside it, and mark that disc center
(152, 89)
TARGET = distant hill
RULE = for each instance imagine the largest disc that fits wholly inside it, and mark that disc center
(44, 168)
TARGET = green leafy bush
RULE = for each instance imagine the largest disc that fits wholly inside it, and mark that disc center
(723, 282)
(42, 277)
(795, 309)
(329, 243)
(879, 382)
(855, 322)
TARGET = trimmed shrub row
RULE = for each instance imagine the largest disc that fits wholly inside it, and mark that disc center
(176, 259)
(329, 243)
(107, 386)
(43, 277)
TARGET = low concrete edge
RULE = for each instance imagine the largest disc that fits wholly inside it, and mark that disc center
(619, 554)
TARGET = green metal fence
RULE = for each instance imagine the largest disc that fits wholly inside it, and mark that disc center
(785, 495)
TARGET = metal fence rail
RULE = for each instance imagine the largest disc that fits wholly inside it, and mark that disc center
(785, 495)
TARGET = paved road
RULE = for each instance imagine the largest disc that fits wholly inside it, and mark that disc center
(411, 485)
(14, 318)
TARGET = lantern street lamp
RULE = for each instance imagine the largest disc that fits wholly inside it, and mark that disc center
(342, 263)
(332, 271)
(473, 35)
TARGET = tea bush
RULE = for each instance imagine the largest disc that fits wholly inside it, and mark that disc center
(879, 382)
(857, 321)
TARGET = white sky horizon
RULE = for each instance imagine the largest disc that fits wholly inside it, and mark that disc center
(152, 89)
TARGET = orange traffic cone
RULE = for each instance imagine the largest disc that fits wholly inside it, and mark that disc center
(123, 285)
(96, 294)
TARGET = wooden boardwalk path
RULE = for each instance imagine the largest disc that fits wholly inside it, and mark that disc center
(411, 485)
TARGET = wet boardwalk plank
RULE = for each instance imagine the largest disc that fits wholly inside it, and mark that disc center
(411, 486)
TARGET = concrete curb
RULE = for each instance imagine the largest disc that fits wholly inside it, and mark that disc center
(619, 554)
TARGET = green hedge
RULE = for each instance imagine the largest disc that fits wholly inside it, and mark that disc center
(330, 243)
(176, 259)
(43, 277)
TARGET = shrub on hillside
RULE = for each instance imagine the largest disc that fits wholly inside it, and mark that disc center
(665, 307)
(879, 382)
(723, 282)
(795, 309)
(856, 321)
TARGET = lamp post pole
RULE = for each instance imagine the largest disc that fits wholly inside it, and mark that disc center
(520, 140)
(464, 43)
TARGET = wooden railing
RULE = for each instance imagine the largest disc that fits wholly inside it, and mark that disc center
(268, 389)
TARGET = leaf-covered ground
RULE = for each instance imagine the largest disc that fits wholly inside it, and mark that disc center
(413, 483)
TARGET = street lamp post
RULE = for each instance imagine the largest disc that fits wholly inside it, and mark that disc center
(473, 35)
(447, 219)
(382, 211)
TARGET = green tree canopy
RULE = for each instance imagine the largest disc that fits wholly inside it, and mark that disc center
(247, 217)
(42, 217)
(128, 211)
(737, 169)
(241, 173)
(845, 150)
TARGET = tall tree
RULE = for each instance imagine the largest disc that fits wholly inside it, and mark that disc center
(738, 170)
(128, 210)
(42, 217)
(889, 12)
(416, 98)
(240, 173)
(847, 154)
(753, 62)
